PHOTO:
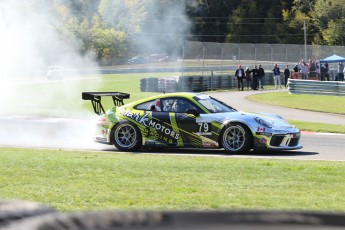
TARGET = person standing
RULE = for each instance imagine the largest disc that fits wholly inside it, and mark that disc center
(276, 75)
(286, 75)
(327, 71)
(296, 71)
(248, 78)
(304, 70)
(239, 74)
(255, 73)
(261, 77)
(340, 76)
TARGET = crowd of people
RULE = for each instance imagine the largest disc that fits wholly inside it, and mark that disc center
(313, 70)
(254, 78)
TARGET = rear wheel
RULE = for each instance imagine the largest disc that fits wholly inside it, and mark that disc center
(236, 138)
(126, 136)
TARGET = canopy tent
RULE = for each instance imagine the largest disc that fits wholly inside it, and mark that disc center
(332, 59)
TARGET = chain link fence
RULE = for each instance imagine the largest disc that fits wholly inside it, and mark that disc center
(210, 66)
(226, 56)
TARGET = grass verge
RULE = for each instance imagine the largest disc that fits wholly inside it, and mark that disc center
(84, 181)
(318, 103)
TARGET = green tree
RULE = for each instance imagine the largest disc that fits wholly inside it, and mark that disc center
(329, 17)
(109, 44)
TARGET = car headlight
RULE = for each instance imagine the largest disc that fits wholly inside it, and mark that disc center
(263, 122)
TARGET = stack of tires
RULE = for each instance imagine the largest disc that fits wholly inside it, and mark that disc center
(226, 82)
(168, 85)
(187, 83)
(215, 82)
(149, 84)
(197, 82)
(184, 84)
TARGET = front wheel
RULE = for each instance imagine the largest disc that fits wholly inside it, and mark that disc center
(127, 137)
(236, 138)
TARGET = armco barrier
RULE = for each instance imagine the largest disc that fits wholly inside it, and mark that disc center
(333, 88)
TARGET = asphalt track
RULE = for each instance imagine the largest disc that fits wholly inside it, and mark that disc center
(76, 134)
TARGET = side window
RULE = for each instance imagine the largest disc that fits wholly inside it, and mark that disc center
(145, 106)
(181, 105)
(167, 105)
(154, 105)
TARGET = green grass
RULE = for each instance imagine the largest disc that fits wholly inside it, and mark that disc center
(318, 127)
(82, 181)
(319, 103)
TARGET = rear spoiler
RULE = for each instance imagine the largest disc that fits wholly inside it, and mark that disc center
(95, 98)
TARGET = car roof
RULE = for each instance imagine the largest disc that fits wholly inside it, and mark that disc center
(178, 94)
(188, 95)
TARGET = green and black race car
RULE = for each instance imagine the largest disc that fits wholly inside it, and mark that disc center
(188, 120)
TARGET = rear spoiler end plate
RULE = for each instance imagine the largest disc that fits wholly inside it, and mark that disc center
(96, 99)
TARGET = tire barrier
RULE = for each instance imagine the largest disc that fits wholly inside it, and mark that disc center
(149, 84)
(46, 219)
(187, 83)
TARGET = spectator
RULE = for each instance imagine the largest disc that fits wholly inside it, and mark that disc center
(248, 78)
(311, 69)
(318, 69)
(286, 75)
(340, 76)
(255, 73)
(303, 70)
(261, 77)
(296, 71)
(276, 74)
(323, 72)
(239, 74)
(327, 71)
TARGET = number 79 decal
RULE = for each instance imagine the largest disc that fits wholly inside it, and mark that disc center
(204, 129)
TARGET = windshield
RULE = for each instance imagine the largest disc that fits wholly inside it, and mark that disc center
(213, 105)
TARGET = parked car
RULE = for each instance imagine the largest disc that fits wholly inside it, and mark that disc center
(54, 72)
(138, 60)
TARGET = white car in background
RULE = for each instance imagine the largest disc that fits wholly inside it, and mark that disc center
(55, 72)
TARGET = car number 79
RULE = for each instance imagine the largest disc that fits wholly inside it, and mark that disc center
(204, 129)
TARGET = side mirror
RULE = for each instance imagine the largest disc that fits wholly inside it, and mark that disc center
(193, 111)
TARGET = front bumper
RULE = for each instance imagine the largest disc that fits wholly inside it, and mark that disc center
(278, 141)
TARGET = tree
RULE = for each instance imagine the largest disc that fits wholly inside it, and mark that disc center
(329, 17)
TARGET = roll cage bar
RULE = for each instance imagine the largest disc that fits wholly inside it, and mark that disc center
(96, 99)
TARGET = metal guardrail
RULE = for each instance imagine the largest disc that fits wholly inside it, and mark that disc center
(331, 88)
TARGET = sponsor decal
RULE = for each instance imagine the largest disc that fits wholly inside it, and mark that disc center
(150, 123)
(209, 145)
(263, 140)
(261, 129)
(264, 133)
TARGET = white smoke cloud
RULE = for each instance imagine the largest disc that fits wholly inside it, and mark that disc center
(31, 41)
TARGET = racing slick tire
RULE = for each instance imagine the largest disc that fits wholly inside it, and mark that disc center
(236, 138)
(126, 136)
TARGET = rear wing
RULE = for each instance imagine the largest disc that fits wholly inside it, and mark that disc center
(95, 98)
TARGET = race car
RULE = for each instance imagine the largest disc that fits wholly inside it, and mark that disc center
(188, 120)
